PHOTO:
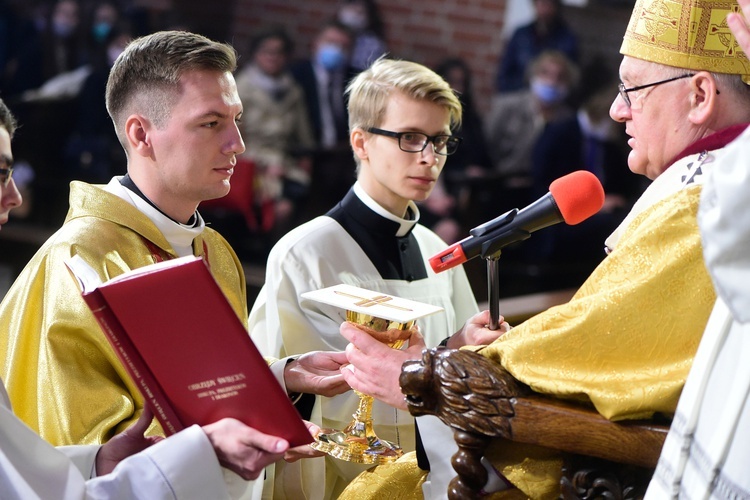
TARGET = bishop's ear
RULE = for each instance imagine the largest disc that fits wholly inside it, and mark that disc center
(703, 98)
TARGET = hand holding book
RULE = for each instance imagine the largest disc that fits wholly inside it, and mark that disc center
(186, 349)
(238, 447)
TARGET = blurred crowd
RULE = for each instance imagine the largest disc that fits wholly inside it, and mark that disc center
(549, 116)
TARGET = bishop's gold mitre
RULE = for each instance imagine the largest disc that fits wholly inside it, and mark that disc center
(691, 34)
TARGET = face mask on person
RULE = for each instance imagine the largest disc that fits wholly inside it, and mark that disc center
(353, 18)
(63, 29)
(330, 56)
(100, 31)
(547, 92)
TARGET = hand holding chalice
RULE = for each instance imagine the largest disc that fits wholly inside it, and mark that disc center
(389, 320)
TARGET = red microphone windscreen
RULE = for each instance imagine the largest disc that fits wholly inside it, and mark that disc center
(578, 195)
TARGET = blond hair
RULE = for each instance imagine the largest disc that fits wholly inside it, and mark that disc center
(369, 91)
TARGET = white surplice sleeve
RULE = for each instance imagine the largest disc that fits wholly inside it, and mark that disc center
(725, 227)
(181, 467)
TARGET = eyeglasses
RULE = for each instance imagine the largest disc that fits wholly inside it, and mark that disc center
(624, 91)
(415, 142)
(6, 171)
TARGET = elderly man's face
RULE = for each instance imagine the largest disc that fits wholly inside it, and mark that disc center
(656, 121)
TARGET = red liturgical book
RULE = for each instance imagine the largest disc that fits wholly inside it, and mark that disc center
(186, 349)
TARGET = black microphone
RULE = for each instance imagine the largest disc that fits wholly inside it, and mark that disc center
(573, 198)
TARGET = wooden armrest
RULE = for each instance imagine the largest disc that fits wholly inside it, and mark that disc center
(479, 400)
(577, 429)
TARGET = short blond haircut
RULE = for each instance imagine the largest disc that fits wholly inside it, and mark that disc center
(369, 91)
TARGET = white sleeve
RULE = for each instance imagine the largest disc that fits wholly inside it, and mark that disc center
(83, 457)
(724, 219)
(32, 468)
(181, 467)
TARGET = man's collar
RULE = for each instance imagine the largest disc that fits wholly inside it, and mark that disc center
(405, 225)
(712, 142)
(127, 182)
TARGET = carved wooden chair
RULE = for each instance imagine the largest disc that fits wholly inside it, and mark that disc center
(479, 400)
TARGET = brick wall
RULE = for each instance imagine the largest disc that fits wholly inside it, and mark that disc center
(418, 30)
(427, 31)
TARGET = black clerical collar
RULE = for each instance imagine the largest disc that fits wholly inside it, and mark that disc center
(358, 210)
(395, 257)
(127, 182)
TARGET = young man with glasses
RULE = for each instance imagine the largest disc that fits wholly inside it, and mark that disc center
(625, 342)
(400, 116)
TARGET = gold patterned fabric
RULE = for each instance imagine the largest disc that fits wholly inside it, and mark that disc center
(63, 378)
(399, 480)
(402, 479)
(624, 342)
(690, 34)
(627, 338)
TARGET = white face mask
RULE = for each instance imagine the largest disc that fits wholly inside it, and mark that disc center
(548, 93)
(353, 18)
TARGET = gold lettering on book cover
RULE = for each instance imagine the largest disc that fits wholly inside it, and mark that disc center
(217, 388)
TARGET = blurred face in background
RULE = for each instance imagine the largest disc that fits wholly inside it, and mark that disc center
(332, 48)
(354, 15)
(271, 56)
(550, 80)
(65, 18)
(105, 18)
(546, 10)
(456, 78)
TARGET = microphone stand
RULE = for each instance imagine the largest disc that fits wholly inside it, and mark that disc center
(491, 253)
(495, 235)
(493, 290)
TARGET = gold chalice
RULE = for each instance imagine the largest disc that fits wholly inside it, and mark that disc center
(357, 442)
(389, 320)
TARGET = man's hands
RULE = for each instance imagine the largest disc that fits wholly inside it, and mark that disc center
(127, 443)
(243, 449)
(247, 451)
(475, 331)
(369, 366)
(738, 23)
(304, 451)
(238, 447)
(316, 372)
(375, 367)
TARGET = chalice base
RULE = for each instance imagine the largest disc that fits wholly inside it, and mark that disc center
(357, 443)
